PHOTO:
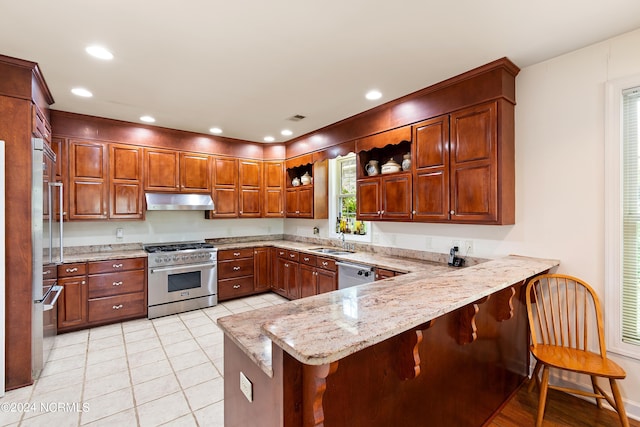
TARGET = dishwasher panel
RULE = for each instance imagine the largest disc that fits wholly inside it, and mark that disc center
(354, 274)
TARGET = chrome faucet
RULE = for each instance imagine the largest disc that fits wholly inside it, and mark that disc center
(341, 234)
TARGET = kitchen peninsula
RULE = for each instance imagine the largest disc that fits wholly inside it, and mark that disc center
(431, 347)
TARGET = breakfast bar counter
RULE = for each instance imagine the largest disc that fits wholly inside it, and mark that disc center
(437, 346)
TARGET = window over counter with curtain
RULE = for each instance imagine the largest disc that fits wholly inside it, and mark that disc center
(622, 205)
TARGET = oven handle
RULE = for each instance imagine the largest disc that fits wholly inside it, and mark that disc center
(181, 267)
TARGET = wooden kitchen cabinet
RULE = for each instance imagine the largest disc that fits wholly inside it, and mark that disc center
(88, 180)
(307, 200)
(262, 262)
(195, 173)
(72, 303)
(125, 182)
(288, 274)
(327, 275)
(273, 189)
(161, 170)
(250, 179)
(235, 273)
(225, 188)
(117, 290)
(317, 275)
(384, 197)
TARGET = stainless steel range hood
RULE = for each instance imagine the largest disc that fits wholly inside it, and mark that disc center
(178, 202)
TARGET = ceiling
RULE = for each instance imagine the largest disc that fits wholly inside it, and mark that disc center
(246, 66)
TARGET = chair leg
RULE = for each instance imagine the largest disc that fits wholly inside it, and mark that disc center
(534, 377)
(619, 404)
(544, 384)
(595, 391)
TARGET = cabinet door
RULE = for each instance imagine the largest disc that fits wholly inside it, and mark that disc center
(261, 269)
(396, 196)
(305, 201)
(368, 199)
(279, 278)
(162, 170)
(273, 190)
(327, 281)
(250, 173)
(473, 160)
(292, 279)
(195, 173)
(88, 180)
(72, 304)
(292, 203)
(308, 281)
(125, 182)
(431, 170)
(249, 203)
(225, 193)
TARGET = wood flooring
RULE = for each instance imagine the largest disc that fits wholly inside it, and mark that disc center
(562, 410)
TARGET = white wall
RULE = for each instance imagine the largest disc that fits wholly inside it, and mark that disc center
(559, 177)
(166, 226)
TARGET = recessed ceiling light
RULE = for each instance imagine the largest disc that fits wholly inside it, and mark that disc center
(269, 139)
(99, 52)
(147, 119)
(372, 95)
(286, 132)
(215, 130)
(80, 91)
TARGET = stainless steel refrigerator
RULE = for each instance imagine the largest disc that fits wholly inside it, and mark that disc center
(47, 243)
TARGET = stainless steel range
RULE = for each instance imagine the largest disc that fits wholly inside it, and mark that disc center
(182, 277)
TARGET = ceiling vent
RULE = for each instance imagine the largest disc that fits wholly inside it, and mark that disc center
(296, 118)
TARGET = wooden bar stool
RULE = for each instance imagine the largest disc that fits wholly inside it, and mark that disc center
(561, 309)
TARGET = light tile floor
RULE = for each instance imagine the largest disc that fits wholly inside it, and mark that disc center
(165, 371)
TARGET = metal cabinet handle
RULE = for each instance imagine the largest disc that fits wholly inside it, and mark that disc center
(236, 254)
(117, 265)
(281, 253)
(236, 268)
(44, 273)
(117, 307)
(241, 212)
(286, 265)
(297, 212)
(378, 212)
(382, 212)
(325, 263)
(413, 212)
(117, 283)
(83, 282)
(71, 270)
(236, 286)
(292, 255)
(306, 258)
(452, 212)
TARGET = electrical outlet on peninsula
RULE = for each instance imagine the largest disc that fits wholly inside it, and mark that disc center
(246, 387)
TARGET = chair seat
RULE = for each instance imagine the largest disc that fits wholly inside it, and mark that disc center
(580, 361)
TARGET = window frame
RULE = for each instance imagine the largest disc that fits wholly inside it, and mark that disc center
(613, 216)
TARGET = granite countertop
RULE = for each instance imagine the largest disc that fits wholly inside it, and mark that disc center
(328, 327)
(103, 252)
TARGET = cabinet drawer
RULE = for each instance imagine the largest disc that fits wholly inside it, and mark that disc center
(293, 256)
(235, 268)
(117, 307)
(235, 254)
(282, 253)
(327, 263)
(308, 259)
(68, 270)
(114, 265)
(49, 271)
(231, 288)
(102, 285)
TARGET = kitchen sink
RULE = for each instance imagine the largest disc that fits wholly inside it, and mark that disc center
(331, 251)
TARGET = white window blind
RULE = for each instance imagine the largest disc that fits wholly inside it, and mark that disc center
(630, 293)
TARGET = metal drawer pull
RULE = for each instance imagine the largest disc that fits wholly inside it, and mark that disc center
(292, 255)
(325, 263)
(306, 258)
(117, 265)
(236, 286)
(117, 307)
(236, 268)
(117, 283)
(44, 273)
(71, 270)
(286, 265)
(236, 254)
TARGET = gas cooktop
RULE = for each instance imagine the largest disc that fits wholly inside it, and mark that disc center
(173, 247)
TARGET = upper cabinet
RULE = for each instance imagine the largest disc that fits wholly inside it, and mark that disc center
(176, 171)
(273, 189)
(88, 180)
(463, 166)
(306, 184)
(125, 182)
(250, 198)
(225, 188)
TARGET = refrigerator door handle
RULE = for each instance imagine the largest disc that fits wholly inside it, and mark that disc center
(61, 213)
(58, 290)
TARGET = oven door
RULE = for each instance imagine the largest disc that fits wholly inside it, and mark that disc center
(179, 283)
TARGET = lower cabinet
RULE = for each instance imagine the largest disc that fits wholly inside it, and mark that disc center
(235, 273)
(317, 275)
(262, 262)
(101, 292)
